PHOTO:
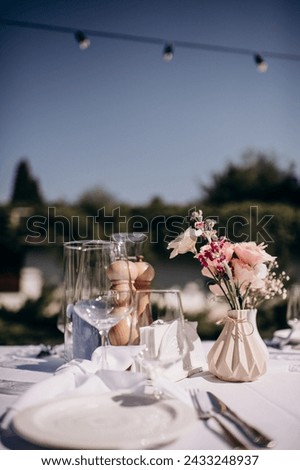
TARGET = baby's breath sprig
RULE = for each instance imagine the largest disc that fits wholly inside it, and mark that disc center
(274, 287)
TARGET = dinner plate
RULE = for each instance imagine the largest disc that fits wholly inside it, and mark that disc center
(110, 421)
(282, 334)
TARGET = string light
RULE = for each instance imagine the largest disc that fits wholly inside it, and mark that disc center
(261, 65)
(167, 53)
(82, 40)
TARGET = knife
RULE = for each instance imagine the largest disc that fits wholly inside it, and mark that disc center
(253, 434)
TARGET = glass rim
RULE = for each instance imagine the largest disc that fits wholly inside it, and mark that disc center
(132, 237)
(158, 291)
(101, 244)
(74, 244)
(80, 244)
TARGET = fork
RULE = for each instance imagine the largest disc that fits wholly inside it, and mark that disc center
(205, 415)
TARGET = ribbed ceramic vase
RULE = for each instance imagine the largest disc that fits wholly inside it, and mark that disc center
(239, 354)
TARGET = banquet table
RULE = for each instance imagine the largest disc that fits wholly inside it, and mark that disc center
(271, 403)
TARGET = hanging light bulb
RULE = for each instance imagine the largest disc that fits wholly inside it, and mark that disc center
(82, 40)
(168, 52)
(261, 65)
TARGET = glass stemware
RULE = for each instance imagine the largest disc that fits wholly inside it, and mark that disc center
(103, 290)
(293, 309)
(160, 321)
(103, 312)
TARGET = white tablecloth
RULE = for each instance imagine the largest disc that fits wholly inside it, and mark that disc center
(270, 403)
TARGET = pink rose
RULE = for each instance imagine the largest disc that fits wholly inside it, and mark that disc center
(228, 250)
(252, 254)
(244, 274)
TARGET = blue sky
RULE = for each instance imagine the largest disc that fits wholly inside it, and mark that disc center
(117, 116)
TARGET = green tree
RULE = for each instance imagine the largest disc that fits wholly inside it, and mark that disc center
(26, 190)
(11, 254)
(95, 198)
(257, 178)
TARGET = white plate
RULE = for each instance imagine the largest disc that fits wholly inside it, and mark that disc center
(282, 334)
(110, 421)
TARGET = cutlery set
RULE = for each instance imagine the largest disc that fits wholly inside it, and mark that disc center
(208, 406)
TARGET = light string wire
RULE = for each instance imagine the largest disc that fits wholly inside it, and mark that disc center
(149, 40)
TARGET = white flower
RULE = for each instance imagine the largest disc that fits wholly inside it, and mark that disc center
(185, 242)
(261, 270)
(197, 215)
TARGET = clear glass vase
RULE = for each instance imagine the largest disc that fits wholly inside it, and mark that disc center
(80, 338)
(239, 354)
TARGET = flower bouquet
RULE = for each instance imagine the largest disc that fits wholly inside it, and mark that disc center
(244, 274)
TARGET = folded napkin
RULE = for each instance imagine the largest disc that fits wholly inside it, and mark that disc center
(195, 358)
(86, 337)
(82, 377)
(282, 334)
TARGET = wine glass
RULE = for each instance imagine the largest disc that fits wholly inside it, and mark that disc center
(103, 312)
(103, 290)
(160, 321)
(293, 309)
